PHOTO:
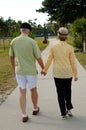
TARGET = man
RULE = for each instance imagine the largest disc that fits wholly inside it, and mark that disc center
(64, 68)
(23, 55)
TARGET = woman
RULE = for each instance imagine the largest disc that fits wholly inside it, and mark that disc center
(64, 68)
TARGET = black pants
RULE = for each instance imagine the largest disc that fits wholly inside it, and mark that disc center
(63, 87)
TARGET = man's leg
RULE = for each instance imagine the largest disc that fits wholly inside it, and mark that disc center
(22, 100)
(21, 80)
(34, 97)
(32, 81)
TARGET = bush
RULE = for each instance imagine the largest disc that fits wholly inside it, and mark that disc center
(78, 42)
(78, 31)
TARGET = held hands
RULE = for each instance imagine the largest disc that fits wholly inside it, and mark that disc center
(75, 79)
(43, 73)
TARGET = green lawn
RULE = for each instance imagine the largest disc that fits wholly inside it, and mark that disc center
(41, 45)
(82, 59)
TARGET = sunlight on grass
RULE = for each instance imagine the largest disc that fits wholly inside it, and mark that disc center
(40, 43)
(82, 59)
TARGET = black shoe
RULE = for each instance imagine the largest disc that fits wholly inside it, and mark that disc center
(35, 112)
(25, 119)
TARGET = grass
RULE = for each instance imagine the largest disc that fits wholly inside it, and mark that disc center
(82, 59)
(7, 80)
(41, 45)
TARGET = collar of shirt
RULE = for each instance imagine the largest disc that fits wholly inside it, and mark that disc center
(23, 34)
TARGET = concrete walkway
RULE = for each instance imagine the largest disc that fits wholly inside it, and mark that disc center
(49, 116)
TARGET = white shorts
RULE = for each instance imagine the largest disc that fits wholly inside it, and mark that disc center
(24, 81)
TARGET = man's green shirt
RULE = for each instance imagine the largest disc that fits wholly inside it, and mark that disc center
(25, 51)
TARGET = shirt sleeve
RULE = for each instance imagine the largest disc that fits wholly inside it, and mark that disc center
(36, 51)
(49, 60)
(73, 63)
(11, 51)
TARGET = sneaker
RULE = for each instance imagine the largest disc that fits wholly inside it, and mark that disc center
(64, 117)
(25, 119)
(35, 111)
(69, 113)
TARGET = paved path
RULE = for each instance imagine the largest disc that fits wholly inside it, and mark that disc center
(49, 116)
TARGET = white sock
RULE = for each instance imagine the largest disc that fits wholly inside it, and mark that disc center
(24, 115)
(35, 109)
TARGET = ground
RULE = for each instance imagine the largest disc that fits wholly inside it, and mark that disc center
(6, 89)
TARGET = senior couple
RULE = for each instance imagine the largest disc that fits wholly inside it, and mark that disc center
(24, 52)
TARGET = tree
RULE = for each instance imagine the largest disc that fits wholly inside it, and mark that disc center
(65, 11)
(13, 27)
(78, 31)
(3, 28)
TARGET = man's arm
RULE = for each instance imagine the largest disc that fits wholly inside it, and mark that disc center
(40, 61)
(12, 60)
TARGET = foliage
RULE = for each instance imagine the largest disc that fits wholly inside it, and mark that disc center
(70, 40)
(65, 11)
(3, 27)
(9, 28)
(78, 31)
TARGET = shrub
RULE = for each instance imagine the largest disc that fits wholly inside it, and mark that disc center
(78, 31)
